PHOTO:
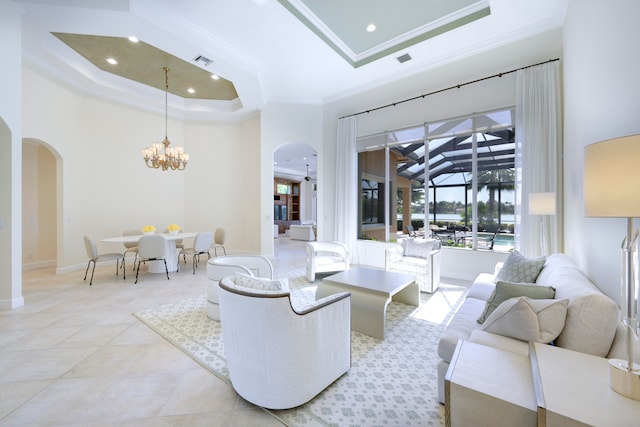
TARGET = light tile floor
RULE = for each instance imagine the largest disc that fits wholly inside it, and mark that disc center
(74, 355)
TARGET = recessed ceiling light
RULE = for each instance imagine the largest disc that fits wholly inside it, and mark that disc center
(133, 39)
(215, 77)
(371, 28)
(191, 90)
(112, 61)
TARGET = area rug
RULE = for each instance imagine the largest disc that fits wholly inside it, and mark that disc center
(392, 382)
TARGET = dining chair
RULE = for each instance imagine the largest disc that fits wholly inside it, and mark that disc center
(152, 248)
(94, 256)
(218, 241)
(201, 245)
(179, 242)
(131, 246)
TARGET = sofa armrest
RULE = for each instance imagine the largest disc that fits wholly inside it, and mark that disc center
(323, 302)
(392, 254)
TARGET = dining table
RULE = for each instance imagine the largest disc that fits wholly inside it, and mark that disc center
(171, 250)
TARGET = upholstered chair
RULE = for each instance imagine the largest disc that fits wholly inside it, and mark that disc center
(323, 257)
(417, 256)
(201, 246)
(218, 241)
(217, 268)
(131, 246)
(95, 257)
(278, 357)
(152, 248)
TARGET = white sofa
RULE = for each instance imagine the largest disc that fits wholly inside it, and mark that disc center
(302, 232)
(417, 256)
(591, 325)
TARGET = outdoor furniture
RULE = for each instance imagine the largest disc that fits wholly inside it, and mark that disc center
(278, 357)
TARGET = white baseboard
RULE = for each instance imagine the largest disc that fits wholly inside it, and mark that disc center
(6, 304)
(39, 264)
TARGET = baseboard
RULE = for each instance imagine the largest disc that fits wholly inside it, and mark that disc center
(38, 264)
(11, 304)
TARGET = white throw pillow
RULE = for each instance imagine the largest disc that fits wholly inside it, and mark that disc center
(260, 283)
(420, 248)
(520, 269)
(526, 319)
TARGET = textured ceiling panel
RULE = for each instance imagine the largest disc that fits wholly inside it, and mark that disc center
(143, 63)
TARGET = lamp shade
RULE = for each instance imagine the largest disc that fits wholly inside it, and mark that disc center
(542, 203)
(612, 178)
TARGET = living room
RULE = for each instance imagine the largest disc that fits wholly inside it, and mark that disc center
(102, 186)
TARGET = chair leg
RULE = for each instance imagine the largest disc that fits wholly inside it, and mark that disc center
(124, 270)
(194, 263)
(225, 251)
(137, 271)
(87, 270)
(165, 268)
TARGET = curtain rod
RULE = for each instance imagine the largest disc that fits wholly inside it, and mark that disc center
(458, 86)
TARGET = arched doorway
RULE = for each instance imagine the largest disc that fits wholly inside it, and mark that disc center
(40, 202)
(295, 175)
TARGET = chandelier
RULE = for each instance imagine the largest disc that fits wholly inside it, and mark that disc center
(161, 155)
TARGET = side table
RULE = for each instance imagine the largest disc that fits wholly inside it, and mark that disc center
(575, 390)
(485, 386)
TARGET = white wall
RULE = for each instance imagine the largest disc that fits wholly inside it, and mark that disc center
(601, 101)
(10, 157)
(284, 124)
(105, 186)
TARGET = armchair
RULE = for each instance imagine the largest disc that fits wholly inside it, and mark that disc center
(417, 256)
(278, 357)
(325, 257)
(220, 267)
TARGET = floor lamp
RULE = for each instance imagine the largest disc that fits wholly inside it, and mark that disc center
(542, 204)
(612, 189)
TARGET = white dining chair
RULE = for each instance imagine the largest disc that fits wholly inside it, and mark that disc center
(201, 246)
(152, 248)
(94, 256)
(218, 241)
(131, 246)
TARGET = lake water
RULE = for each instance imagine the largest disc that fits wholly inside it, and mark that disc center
(506, 219)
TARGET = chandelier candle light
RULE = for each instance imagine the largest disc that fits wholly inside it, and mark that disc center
(161, 155)
(611, 177)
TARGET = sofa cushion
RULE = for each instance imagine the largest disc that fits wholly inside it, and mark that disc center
(520, 269)
(528, 319)
(259, 283)
(506, 290)
(420, 248)
(459, 327)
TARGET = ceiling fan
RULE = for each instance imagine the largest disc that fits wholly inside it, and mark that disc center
(307, 178)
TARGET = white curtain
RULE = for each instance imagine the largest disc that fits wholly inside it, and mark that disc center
(538, 157)
(346, 215)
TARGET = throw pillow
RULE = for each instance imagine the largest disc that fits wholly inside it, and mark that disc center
(420, 248)
(527, 319)
(519, 269)
(506, 290)
(259, 283)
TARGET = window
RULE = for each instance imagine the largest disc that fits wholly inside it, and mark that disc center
(468, 166)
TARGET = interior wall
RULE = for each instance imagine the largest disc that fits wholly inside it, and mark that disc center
(601, 91)
(284, 124)
(39, 210)
(106, 186)
(10, 159)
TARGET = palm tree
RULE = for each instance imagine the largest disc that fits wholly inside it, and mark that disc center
(493, 180)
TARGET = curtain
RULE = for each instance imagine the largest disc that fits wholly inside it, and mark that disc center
(346, 215)
(538, 157)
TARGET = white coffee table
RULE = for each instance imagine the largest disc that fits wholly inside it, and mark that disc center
(371, 290)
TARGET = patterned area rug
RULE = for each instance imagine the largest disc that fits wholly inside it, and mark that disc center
(392, 382)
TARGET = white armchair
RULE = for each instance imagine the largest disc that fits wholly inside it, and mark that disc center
(278, 357)
(417, 256)
(325, 257)
(220, 267)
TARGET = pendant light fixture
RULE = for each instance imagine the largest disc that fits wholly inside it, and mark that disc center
(161, 156)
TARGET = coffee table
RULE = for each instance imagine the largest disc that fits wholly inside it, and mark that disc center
(371, 290)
